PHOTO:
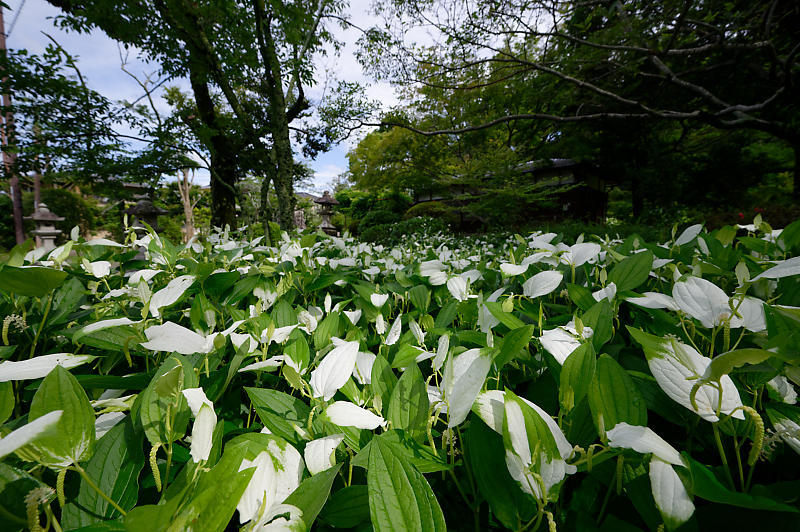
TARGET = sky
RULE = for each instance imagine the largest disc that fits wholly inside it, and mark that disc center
(98, 58)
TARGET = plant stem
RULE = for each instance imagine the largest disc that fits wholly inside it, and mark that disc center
(52, 519)
(738, 461)
(722, 454)
(94, 486)
(41, 325)
(166, 470)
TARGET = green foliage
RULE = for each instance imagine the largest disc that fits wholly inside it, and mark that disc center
(624, 381)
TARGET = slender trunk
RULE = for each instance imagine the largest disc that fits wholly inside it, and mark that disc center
(9, 157)
(224, 170)
(223, 195)
(185, 189)
(282, 159)
(265, 212)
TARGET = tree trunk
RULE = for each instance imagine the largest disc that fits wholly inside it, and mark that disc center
(185, 189)
(224, 170)
(281, 155)
(265, 211)
(284, 177)
(223, 195)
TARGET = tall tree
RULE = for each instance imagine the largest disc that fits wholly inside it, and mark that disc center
(254, 57)
(728, 65)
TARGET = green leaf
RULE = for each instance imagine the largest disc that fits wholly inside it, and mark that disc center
(783, 328)
(576, 376)
(420, 297)
(405, 356)
(383, 381)
(399, 496)
(506, 318)
(632, 272)
(114, 338)
(614, 398)
(408, 404)
(485, 454)
(66, 300)
(446, 315)
(15, 484)
(328, 327)
(283, 314)
(32, 281)
(298, 351)
(726, 362)
(163, 398)
(702, 482)
(16, 257)
(217, 283)
(114, 468)
(214, 501)
(279, 412)
(601, 319)
(513, 342)
(311, 494)
(347, 507)
(581, 296)
(306, 241)
(74, 440)
(7, 400)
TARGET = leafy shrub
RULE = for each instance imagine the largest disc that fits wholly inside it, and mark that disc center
(376, 218)
(434, 209)
(420, 229)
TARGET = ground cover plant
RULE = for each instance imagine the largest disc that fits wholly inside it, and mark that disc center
(523, 383)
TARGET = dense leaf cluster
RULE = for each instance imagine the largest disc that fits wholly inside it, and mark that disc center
(514, 383)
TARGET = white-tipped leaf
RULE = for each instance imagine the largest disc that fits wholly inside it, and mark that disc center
(173, 337)
(36, 368)
(542, 283)
(677, 367)
(511, 270)
(29, 432)
(441, 351)
(170, 293)
(458, 288)
(704, 301)
(346, 414)
(205, 421)
(669, 493)
(654, 300)
(688, 234)
(106, 422)
(362, 371)
(464, 376)
(378, 300)
(394, 332)
(643, 440)
(320, 454)
(334, 370)
(279, 470)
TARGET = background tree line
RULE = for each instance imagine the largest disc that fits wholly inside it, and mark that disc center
(679, 102)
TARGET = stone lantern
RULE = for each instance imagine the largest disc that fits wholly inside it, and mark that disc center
(45, 230)
(326, 203)
(145, 211)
